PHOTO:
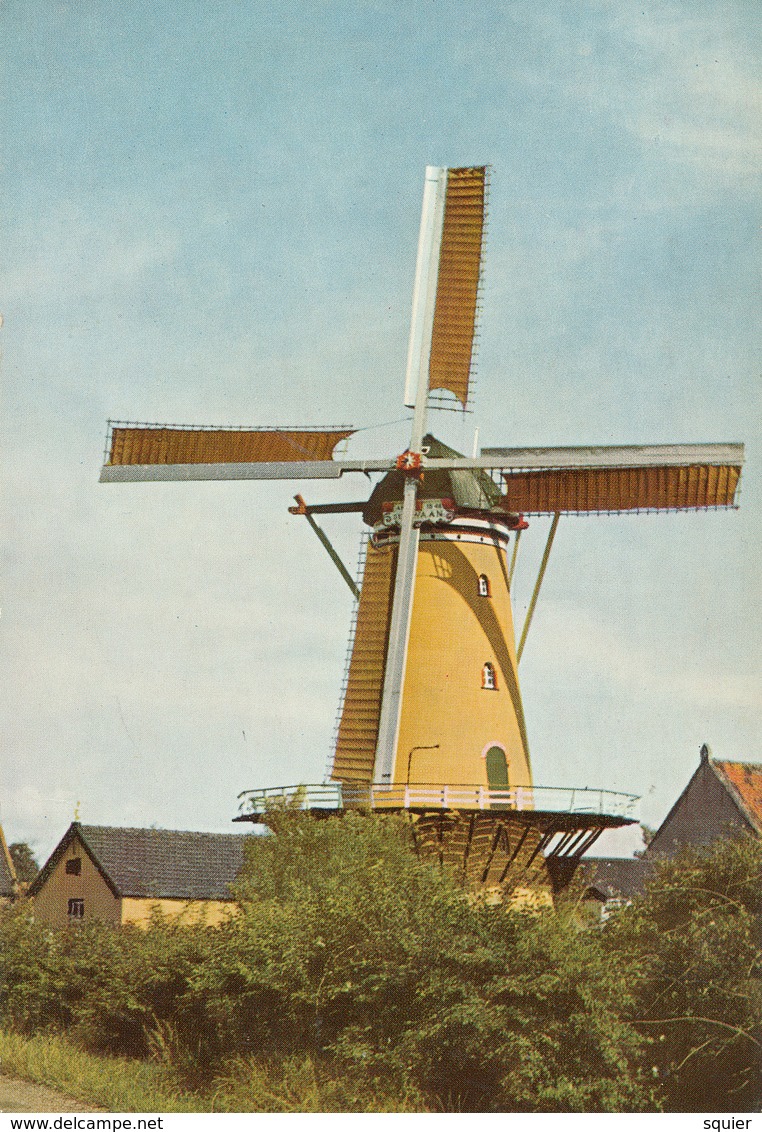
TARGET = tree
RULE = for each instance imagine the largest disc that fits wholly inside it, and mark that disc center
(24, 861)
(351, 949)
(696, 933)
(377, 980)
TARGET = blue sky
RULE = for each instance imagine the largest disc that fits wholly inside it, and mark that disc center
(211, 215)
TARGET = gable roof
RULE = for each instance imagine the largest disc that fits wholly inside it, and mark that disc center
(156, 863)
(8, 880)
(718, 797)
(743, 782)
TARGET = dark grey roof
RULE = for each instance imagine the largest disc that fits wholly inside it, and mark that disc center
(167, 862)
(718, 801)
(614, 877)
(159, 863)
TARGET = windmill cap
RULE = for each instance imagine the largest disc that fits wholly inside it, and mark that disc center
(470, 489)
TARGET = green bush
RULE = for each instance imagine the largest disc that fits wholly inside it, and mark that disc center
(697, 935)
(110, 989)
(349, 947)
(356, 978)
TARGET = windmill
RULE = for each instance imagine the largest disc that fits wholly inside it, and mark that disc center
(432, 721)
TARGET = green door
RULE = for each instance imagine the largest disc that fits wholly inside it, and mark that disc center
(497, 769)
(497, 775)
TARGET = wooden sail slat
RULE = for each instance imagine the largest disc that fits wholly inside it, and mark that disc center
(355, 752)
(609, 489)
(458, 282)
(167, 444)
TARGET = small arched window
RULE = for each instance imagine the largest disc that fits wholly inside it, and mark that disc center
(484, 590)
(489, 681)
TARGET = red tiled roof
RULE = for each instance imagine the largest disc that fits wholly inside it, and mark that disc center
(745, 779)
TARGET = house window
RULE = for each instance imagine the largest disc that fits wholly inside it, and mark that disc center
(74, 866)
(76, 909)
(484, 590)
(489, 680)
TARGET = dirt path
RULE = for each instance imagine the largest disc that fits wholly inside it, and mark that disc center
(26, 1096)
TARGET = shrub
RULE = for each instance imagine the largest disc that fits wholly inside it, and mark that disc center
(357, 978)
(349, 947)
(697, 932)
(108, 988)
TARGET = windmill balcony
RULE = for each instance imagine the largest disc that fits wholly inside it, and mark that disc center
(336, 797)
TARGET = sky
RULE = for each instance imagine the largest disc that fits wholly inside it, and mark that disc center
(210, 217)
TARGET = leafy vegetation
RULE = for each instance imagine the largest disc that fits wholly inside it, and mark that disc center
(356, 978)
(697, 933)
(24, 861)
(114, 1084)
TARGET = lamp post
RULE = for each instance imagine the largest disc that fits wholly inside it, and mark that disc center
(431, 747)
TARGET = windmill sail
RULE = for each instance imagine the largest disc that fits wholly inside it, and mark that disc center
(153, 451)
(606, 490)
(460, 257)
(445, 293)
(614, 479)
(441, 336)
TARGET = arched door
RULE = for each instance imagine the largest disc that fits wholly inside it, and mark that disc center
(497, 769)
(497, 775)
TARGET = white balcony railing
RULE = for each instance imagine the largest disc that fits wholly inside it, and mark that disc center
(425, 796)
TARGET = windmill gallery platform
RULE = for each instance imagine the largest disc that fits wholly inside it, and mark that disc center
(431, 699)
(512, 842)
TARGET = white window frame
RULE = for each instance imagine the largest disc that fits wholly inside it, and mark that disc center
(489, 678)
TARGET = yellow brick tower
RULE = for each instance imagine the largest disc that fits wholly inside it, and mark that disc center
(461, 720)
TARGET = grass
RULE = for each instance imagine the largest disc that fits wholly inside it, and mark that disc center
(118, 1084)
(301, 1084)
(111, 1083)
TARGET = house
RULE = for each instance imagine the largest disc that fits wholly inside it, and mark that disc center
(9, 885)
(124, 876)
(722, 799)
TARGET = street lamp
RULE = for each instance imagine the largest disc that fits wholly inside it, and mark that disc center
(432, 747)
